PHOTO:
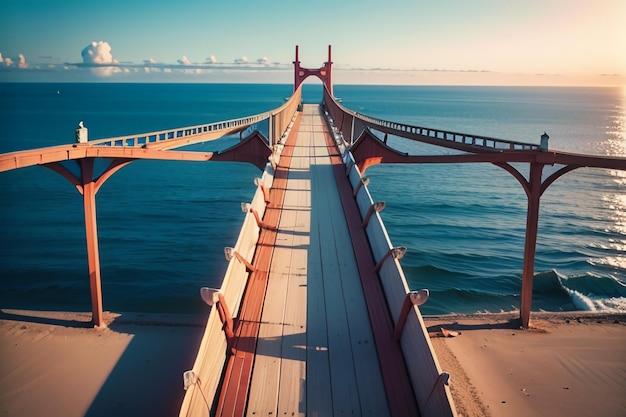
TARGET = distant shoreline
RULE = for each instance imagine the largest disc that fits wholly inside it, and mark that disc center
(313, 84)
(541, 315)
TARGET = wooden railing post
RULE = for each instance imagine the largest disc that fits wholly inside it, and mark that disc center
(352, 132)
(532, 222)
(91, 234)
(270, 133)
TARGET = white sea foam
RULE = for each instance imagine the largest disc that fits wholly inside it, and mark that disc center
(591, 303)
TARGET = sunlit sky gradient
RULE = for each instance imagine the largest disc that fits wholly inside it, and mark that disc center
(549, 42)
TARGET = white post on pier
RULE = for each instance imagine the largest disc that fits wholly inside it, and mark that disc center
(544, 142)
(82, 133)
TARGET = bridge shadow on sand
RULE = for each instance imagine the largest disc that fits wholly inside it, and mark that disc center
(134, 367)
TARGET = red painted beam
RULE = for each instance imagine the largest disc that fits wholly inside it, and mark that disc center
(530, 243)
(368, 150)
(42, 156)
(253, 149)
(91, 235)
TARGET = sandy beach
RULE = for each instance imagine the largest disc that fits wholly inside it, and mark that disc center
(566, 365)
(54, 364)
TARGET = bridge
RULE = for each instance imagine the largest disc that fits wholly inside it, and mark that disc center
(314, 315)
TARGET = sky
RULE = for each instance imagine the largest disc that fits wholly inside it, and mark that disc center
(478, 42)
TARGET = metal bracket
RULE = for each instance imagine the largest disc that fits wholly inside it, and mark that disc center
(247, 208)
(213, 297)
(376, 207)
(266, 193)
(349, 165)
(364, 181)
(414, 298)
(274, 160)
(229, 253)
(442, 379)
(397, 252)
(189, 378)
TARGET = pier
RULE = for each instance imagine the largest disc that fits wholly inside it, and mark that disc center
(314, 315)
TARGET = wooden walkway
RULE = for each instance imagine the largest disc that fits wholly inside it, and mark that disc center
(315, 352)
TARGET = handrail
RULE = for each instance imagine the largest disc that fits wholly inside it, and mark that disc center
(148, 144)
(141, 139)
(465, 140)
(146, 138)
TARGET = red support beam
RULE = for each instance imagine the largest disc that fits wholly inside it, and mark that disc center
(88, 185)
(91, 234)
(530, 245)
(225, 317)
(368, 150)
(253, 149)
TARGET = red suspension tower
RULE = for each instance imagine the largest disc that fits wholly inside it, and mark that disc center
(323, 73)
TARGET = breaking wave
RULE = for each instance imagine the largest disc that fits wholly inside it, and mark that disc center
(589, 292)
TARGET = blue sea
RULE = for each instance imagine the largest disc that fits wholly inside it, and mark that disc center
(163, 225)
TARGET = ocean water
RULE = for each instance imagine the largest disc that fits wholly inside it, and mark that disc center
(163, 225)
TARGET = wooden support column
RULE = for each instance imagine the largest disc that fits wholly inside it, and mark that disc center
(91, 234)
(532, 222)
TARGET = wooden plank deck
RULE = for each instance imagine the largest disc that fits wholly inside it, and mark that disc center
(315, 353)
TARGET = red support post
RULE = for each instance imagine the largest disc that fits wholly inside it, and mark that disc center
(245, 262)
(225, 317)
(414, 298)
(91, 234)
(329, 70)
(376, 207)
(296, 71)
(259, 221)
(532, 222)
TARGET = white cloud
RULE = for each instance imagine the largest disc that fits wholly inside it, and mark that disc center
(5, 61)
(149, 61)
(211, 59)
(184, 61)
(242, 60)
(98, 53)
(21, 61)
(263, 61)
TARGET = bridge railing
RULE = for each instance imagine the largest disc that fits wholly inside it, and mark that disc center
(148, 144)
(279, 118)
(351, 124)
(148, 138)
(428, 380)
